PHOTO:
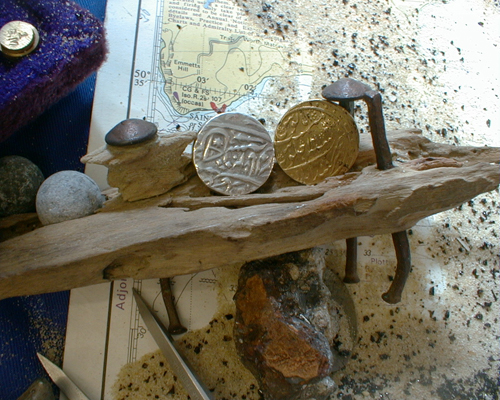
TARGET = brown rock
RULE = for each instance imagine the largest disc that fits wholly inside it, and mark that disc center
(277, 301)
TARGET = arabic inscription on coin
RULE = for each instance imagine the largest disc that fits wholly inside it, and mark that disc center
(233, 154)
(314, 140)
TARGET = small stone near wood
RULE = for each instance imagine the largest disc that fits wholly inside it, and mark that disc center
(19, 183)
(131, 131)
(67, 195)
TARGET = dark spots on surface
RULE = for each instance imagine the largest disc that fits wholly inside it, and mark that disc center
(378, 337)
(479, 386)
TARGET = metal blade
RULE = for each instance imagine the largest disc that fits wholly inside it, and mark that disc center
(179, 366)
(62, 380)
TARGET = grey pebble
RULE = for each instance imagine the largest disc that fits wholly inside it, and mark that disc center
(67, 195)
(19, 183)
(131, 131)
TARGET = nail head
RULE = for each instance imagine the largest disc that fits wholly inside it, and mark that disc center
(131, 131)
(345, 89)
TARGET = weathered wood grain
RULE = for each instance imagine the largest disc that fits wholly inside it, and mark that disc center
(174, 234)
(146, 169)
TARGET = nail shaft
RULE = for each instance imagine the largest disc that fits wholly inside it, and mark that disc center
(377, 128)
(351, 258)
(175, 326)
(351, 261)
(384, 161)
(403, 256)
(347, 105)
(344, 91)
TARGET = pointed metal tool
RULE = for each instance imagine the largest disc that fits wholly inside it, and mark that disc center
(179, 365)
(62, 380)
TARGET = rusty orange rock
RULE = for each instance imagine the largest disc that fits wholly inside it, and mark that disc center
(274, 338)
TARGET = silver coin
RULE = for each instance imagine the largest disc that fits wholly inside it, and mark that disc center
(233, 154)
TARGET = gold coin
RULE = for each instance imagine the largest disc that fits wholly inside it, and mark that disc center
(18, 38)
(314, 140)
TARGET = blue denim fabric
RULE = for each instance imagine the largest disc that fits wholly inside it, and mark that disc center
(55, 141)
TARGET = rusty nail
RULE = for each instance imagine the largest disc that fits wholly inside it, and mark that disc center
(175, 326)
(403, 268)
(345, 91)
(351, 261)
(348, 89)
(377, 128)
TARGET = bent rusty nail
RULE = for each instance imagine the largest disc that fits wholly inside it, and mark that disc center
(403, 268)
(377, 128)
(350, 89)
(175, 326)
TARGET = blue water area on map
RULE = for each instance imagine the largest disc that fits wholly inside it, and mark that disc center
(207, 4)
(256, 93)
(172, 121)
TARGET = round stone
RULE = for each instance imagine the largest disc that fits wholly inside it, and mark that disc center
(131, 131)
(67, 195)
(19, 183)
(233, 154)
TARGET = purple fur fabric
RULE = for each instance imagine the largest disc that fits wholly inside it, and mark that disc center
(72, 46)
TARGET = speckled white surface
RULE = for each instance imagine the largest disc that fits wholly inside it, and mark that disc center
(436, 63)
(442, 341)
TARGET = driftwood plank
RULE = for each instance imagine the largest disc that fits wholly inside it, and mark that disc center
(18, 224)
(177, 235)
